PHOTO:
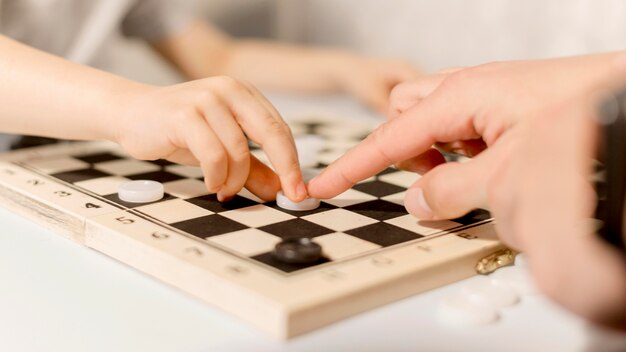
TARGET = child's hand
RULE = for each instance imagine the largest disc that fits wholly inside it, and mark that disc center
(371, 80)
(205, 123)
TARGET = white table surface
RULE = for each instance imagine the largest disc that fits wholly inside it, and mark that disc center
(56, 295)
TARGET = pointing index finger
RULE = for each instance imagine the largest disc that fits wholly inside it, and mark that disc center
(391, 142)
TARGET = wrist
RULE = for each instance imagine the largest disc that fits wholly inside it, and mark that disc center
(121, 98)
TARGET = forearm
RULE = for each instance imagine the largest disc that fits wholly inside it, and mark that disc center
(203, 51)
(45, 95)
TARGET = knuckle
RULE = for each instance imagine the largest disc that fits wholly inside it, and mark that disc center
(186, 116)
(206, 96)
(379, 138)
(228, 83)
(216, 157)
(276, 126)
(240, 151)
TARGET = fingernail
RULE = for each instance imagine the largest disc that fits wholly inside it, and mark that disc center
(416, 204)
(301, 192)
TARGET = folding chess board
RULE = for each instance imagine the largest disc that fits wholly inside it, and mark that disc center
(373, 251)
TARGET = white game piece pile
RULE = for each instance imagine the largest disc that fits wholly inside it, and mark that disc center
(307, 204)
(517, 278)
(459, 310)
(141, 191)
(479, 301)
(491, 293)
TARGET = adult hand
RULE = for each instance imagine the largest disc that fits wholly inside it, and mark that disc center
(543, 201)
(205, 123)
(469, 108)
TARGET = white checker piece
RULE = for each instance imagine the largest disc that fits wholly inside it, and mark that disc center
(126, 167)
(185, 170)
(350, 197)
(186, 188)
(257, 215)
(424, 228)
(248, 242)
(339, 245)
(60, 164)
(103, 185)
(171, 211)
(339, 219)
(400, 178)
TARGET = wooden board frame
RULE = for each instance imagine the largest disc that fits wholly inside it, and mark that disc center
(284, 305)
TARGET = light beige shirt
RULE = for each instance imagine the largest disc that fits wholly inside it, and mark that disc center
(75, 29)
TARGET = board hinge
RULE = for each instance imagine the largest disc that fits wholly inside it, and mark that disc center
(494, 261)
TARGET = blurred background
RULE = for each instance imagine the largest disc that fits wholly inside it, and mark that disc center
(433, 34)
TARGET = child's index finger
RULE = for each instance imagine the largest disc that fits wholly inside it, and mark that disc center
(390, 143)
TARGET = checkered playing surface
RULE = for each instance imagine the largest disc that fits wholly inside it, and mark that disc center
(366, 218)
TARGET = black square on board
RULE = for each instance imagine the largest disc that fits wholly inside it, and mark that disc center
(473, 216)
(98, 157)
(378, 209)
(80, 175)
(159, 176)
(210, 225)
(210, 202)
(388, 170)
(296, 228)
(161, 162)
(115, 198)
(378, 188)
(268, 258)
(383, 234)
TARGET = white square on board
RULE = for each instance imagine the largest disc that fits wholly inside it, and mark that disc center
(424, 228)
(171, 211)
(126, 167)
(400, 178)
(397, 198)
(185, 170)
(186, 188)
(59, 164)
(257, 215)
(339, 219)
(340, 245)
(103, 185)
(350, 197)
(247, 242)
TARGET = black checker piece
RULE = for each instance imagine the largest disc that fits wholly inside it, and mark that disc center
(269, 259)
(378, 188)
(210, 225)
(378, 209)
(383, 234)
(159, 176)
(473, 216)
(98, 157)
(116, 199)
(80, 175)
(210, 202)
(296, 228)
(322, 208)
